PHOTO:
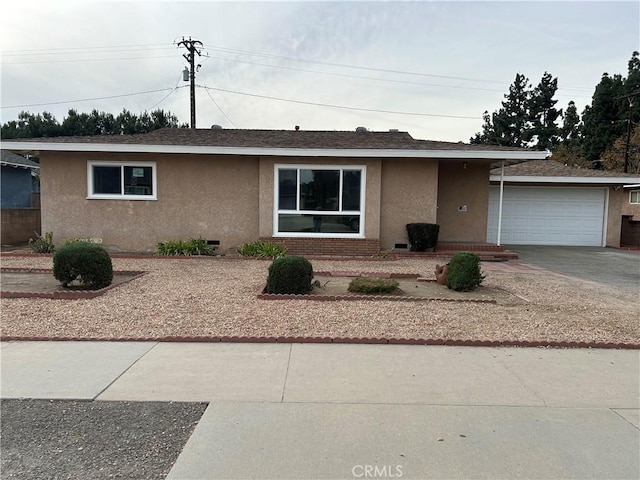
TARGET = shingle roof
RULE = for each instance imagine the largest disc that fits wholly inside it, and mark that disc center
(17, 160)
(277, 139)
(549, 168)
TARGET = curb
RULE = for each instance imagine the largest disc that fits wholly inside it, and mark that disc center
(337, 340)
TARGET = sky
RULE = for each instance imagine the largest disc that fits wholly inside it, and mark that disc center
(428, 68)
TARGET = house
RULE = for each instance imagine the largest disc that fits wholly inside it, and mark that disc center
(19, 179)
(548, 203)
(319, 192)
(19, 198)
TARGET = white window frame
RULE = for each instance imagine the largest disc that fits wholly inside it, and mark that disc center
(339, 213)
(637, 192)
(121, 196)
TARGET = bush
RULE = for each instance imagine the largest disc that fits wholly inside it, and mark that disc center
(373, 285)
(42, 244)
(263, 250)
(422, 236)
(464, 272)
(88, 263)
(290, 274)
(193, 246)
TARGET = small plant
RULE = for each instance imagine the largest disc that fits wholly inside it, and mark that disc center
(373, 285)
(464, 273)
(193, 246)
(87, 263)
(263, 250)
(422, 236)
(290, 275)
(42, 244)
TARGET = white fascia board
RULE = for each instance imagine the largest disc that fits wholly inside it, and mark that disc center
(636, 185)
(19, 165)
(284, 152)
(540, 179)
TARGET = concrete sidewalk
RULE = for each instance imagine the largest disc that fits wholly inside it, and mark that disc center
(363, 411)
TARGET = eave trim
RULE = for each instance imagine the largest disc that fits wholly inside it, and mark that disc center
(37, 147)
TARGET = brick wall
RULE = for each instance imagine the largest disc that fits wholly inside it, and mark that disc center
(19, 225)
(328, 246)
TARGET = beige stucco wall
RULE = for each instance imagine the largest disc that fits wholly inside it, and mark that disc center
(198, 195)
(372, 190)
(409, 195)
(463, 183)
(630, 209)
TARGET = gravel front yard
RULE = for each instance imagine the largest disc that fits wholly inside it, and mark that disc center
(217, 297)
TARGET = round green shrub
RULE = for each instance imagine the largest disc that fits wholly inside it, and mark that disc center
(290, 275)
(88, 263)
(464, 272)
(373, 285)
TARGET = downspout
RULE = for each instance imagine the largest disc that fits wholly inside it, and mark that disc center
(500, 203)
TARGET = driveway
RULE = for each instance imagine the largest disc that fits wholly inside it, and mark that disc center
(619, 268)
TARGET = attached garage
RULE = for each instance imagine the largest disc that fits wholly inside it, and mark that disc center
(548, 203)
(548, 216)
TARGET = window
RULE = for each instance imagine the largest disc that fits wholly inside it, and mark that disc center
(634, 196)
(122, 181)
(319, 201)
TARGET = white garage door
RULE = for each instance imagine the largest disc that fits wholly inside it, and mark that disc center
(548, 216)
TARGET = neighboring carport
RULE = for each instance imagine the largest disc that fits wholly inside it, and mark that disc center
(548, 203)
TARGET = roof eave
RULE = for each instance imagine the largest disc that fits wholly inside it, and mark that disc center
(37, 147)
(549, 179)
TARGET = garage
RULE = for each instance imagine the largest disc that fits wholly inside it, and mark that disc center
(548, 216)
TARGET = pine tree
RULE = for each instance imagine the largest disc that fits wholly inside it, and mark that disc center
(542, 131)
(506, 126)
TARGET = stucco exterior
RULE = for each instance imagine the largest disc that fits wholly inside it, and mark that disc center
(130, 192)
(409, 195)
(463, 201)
(198, 196)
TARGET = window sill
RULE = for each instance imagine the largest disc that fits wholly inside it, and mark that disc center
(122, 197)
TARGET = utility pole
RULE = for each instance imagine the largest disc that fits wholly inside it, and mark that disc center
(193, 47)
(631, 96)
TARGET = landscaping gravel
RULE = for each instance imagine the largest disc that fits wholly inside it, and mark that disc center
(214, 297)
(98, 440)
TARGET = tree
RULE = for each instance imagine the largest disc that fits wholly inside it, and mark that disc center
(606, 119)
(614, 157)
(506, 126)
(527, 118)
(567, 156)
(571, 129)
(542, 131)
(95, 123)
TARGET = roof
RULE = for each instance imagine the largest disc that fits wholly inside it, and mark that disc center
(548, 171)
(273, 142)
(13, 160)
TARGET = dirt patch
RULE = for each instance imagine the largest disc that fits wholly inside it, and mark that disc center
(28, 283)
(411, 288)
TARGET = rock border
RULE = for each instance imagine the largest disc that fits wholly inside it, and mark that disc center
(337, 340)
(69, 295)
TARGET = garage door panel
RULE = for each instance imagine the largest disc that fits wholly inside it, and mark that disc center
(548, 216)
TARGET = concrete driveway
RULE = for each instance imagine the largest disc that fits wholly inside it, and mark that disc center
(619, 268)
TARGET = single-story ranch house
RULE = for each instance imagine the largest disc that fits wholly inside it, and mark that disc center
(318, 192)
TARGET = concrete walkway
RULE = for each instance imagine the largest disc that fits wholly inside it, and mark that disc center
(363, 411)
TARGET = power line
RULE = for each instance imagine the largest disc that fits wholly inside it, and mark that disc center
(83, 60)
(20, 52)
(343, 107)
(219, 108)
(87, 99)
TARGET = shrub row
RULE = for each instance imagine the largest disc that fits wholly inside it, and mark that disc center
(193, 246)
(262, 250)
